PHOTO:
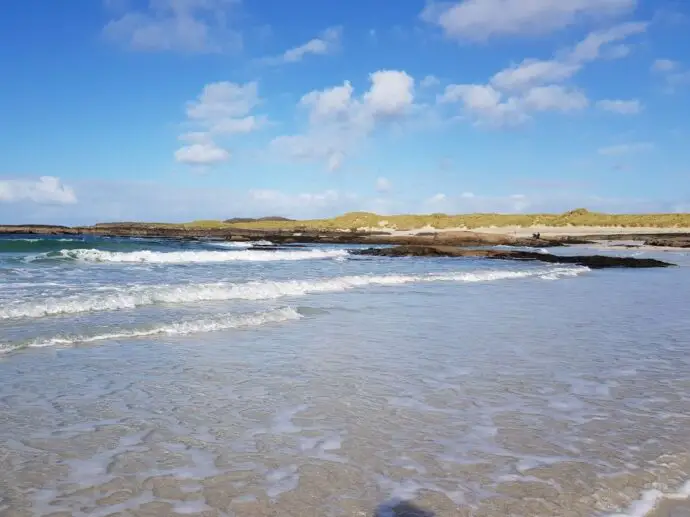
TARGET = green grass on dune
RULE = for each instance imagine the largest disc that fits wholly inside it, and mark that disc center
(356, 220)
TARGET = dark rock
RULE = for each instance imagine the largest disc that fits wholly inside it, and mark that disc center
(683, 242)
(591, 261)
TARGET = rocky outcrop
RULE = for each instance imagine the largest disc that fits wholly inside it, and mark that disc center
(124, 229)
(41, 229)
(591, 261)
(679, 242)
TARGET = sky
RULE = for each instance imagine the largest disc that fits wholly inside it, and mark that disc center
(178, 110)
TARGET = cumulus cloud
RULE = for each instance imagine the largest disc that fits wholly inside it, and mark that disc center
(631, 107)
(429, 81)
(190, 26)
(512, 95)
(338, 120)
(480, 20)
(329, 103)
(45, 190)
(221, 110)
(626, 149)
(223, 100)
(201, 154)
(391, 92)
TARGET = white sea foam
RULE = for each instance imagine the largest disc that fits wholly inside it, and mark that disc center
(36, 239)
(650, 500)
(240, 245)
(224, 322)
(135, 296)
(183, 257)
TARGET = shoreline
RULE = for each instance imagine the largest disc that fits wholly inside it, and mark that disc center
(516, 236)
(655, 503)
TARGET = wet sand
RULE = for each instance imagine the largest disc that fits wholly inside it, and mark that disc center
(671, 508)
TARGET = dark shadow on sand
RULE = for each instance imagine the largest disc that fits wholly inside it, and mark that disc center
(401, 509)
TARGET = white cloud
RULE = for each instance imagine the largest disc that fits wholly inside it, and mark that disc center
(201, 154)
(429, 81)
(193, 26)
(222, 109)
(486, 104)
(335, 161)
(625, 149)
(231, 126)
(672, 73)
(534, 71)
(631, 107)
(664, 65)
(484, 19)
(327, 43)
(437, 198)
(383, 185)
(554, 98)
(534, 85)
(222, 100)
(490, 107)
(330, 102)
(594, 46)
(338, 121)
(195, 137)
(46, 190)
(391, 92)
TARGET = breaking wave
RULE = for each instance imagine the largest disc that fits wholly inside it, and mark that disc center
(224, 322)
(131, 297)
(185, 257)
(239, 245)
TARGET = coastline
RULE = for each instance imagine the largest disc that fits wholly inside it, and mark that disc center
(549, 236)
(654, 503)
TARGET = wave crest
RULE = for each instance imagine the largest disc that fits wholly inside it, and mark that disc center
(223, 322)
(186, 257)
(137, 296)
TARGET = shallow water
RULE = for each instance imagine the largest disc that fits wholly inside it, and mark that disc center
(325, 385)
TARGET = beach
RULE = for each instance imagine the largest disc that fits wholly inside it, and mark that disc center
(551, 231)
(672, 508)
(155, 377)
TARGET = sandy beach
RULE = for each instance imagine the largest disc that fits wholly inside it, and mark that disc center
(671, 508)
(550, 231)
(653, 503)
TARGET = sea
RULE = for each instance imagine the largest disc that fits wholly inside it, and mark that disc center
(151, 377)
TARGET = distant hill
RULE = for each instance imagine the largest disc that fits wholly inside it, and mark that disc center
(276, 218)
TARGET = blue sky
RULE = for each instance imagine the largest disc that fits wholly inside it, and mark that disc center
(186, 109)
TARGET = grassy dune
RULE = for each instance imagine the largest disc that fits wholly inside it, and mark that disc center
(356, 220)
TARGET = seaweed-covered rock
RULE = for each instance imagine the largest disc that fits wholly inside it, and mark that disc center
(591, 261)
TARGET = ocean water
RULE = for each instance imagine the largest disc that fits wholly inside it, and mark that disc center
(154, 378)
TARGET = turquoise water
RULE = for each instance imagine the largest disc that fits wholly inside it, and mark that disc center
(153, 377)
